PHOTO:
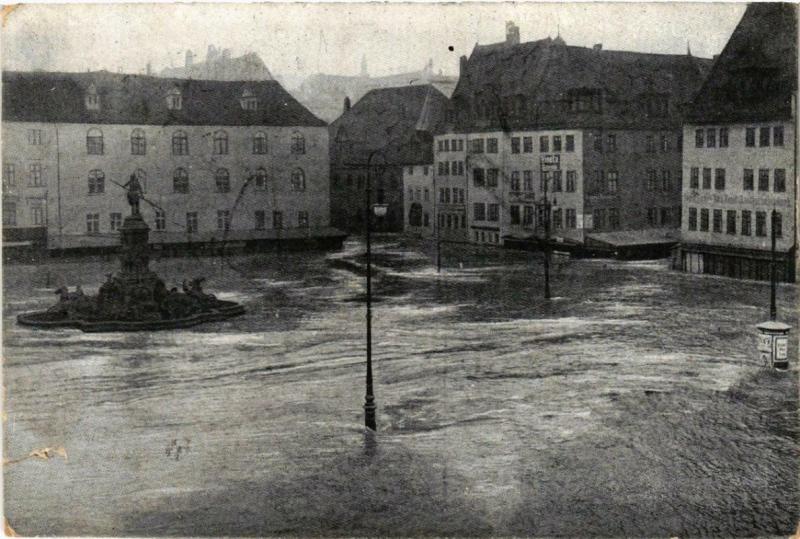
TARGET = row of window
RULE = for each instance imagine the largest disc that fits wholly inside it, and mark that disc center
(745, 222)
(748, 179)
(605, 218)
(174, 99)
(410, 170)
(446, 168)
(450, 145)
(445, 198)
(486, 237)
(544, 144)
(663, 216)
(518, 144)
(192, 221)
(452, 220)
(37, 213)
(712, 137)
(664, 144)
(180, 142)
(35, 176)
(180, 180)
(416, 194)
(666, 180)
(485, 212)
(548, 180)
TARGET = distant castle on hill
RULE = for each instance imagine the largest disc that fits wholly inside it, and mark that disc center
(324, 94)
(219, 65)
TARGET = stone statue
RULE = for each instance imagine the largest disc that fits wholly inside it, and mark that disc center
(134, 193)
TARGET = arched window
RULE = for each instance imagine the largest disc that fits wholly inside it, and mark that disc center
(180, 181)
(180, 143)
(298, 180)
(260, 143)
(261, 178)
(97, 182)
(298, 144)
(174, 99)
(138, 142)
(223, 180)
(220, 143)
(94, 142)
(141, 175)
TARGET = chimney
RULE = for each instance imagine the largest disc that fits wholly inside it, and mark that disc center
(149, 69)
(512, 33)
(462, 66)
(189, 58)
(598, 47)
(346, 103)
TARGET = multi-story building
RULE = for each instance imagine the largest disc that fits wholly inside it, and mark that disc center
(219, 161)
(375, 140)
(739, 158)
(418, 200)
(598, 130)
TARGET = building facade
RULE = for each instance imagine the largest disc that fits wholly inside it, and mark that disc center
(211, 171)
(418, 200)
(374, 142)
(593, 146)
(739, 160)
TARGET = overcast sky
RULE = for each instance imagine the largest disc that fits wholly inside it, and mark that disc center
(295, 40)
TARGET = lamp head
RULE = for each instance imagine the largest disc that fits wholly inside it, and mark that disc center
(380, 209)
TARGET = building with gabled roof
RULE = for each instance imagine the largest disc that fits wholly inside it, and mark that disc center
(610, 119)
(392, 127)
(324, 93)
(238, 161)
(739, 159)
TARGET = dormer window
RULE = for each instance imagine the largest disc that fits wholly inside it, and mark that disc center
(657, 105)
(174, 99)
(92, 99)
(249, 100)
(585, 100)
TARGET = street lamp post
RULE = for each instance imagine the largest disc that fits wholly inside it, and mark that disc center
(773, 311)
(379, 210)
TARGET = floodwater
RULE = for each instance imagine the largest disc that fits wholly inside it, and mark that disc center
(629, 404)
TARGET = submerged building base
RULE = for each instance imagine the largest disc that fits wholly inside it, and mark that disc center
(732, 262)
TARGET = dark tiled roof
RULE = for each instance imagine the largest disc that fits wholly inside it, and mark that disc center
(756, 74)
(388, 119)
(138, 99)
(531, 83)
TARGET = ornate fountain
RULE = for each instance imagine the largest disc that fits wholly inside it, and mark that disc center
(135, 298)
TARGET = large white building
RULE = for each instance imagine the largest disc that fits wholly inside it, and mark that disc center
(219, 161)
(739, 158)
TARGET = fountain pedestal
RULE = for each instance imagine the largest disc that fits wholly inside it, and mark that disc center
(135, 298)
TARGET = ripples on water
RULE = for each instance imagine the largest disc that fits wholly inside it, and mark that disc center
(477, 378)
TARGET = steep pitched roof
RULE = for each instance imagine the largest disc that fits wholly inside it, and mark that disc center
(388, 119)
(138, 99)
(531, 84)
(756, 73)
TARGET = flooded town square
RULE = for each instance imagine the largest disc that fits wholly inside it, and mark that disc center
(400, 269)
(632, 403)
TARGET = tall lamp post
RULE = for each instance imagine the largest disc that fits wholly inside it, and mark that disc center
(380, 211)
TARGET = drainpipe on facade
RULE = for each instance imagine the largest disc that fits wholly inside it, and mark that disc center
(58, 192)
